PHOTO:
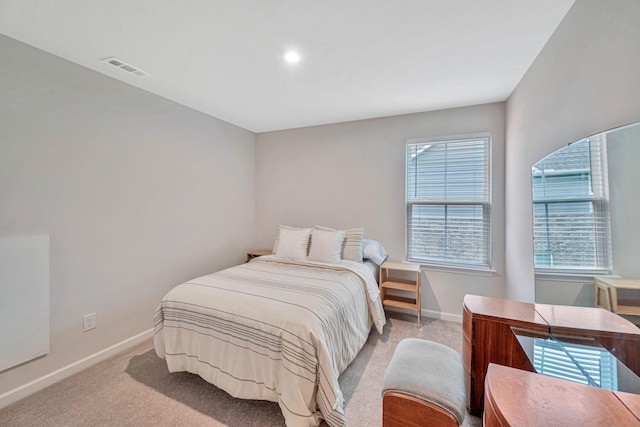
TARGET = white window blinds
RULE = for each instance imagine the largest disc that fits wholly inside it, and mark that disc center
(570, 209)
(448, 202)
(574, 362)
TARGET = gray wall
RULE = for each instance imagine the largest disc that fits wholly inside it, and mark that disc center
(136, 193)
(623, 152)
(585, 80)
(352, 174)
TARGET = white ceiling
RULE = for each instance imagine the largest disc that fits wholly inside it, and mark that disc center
(360, 58)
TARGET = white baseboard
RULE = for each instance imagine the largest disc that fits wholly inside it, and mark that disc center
(442, 316)
(38, 384)
(431, 314)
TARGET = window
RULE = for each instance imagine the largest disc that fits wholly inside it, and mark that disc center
(448, 202)
(570, 209)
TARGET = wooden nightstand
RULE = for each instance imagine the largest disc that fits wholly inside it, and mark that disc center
(606, 290)
(258, 252)
(389, 280)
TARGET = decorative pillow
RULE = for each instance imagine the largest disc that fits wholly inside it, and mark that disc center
(352, 246)
(373, 250)
(275, 243)
(293, 242)
(326, 246)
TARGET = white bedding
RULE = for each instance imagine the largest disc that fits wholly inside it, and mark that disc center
(273, 329)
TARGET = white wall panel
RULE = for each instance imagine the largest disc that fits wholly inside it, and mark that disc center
(24, 299)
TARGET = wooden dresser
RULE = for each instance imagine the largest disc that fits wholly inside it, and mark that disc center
(488, 338)
(518, 398)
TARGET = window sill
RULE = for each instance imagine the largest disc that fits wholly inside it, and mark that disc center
(473, 271)
(564, 276)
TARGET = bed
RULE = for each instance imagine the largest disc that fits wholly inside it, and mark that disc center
(277, 328)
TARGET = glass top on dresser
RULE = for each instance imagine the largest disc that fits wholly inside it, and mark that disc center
(577, 359)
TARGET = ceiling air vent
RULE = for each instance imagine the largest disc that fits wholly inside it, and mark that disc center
(126, 67)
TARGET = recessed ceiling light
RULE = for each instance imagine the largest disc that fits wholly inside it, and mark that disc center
(292, 57)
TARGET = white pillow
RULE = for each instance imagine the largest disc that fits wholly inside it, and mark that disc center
(326, 246)
(352, 246)
(373, 250)
(275, 242)
(293, 242)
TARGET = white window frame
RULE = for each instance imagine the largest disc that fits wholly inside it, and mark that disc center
(485, 204)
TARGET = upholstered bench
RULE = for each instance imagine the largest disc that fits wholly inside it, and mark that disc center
(423, 386)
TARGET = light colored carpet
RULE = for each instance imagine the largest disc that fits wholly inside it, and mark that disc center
(134, 388)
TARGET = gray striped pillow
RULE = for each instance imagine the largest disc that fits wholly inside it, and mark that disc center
(352, 246)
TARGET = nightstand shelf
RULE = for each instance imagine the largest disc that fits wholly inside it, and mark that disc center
(388, 280)
(606, 291)
(259, 252)
(402, 302)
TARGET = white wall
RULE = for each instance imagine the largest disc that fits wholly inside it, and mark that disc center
(623, 152)
(136, 193)
(585, 80)
(352, 174)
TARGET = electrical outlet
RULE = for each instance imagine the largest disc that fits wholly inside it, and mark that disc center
(89, 322)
